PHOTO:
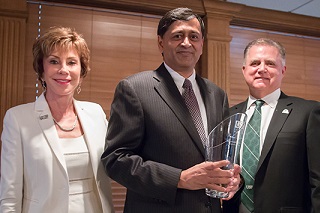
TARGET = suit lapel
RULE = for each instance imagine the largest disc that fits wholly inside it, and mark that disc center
(169, 92)
(88, 127)
(242, 107)
(211, 110)
(280, 115)
(46, 123)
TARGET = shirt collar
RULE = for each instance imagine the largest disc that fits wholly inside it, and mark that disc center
(179, 79)
(271, 99)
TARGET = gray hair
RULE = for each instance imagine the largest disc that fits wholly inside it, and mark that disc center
(266, 42)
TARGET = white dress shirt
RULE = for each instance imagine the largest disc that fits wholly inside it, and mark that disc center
(179, 80)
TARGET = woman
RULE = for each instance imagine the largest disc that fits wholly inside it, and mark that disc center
(51, 148)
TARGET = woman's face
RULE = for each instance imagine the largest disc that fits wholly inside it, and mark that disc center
(62, 70)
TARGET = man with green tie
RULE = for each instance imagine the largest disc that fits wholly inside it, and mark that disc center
(279, 157)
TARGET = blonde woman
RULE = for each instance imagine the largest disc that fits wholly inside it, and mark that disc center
(51, 148)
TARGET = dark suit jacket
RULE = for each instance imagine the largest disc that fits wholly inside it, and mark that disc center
(288, 174)
(151, 138)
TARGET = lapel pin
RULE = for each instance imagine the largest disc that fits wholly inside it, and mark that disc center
(285, 111)
(249, 187)
(43, 117)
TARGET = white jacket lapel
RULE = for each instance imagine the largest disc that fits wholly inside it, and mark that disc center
(48, 128)
(88, 125)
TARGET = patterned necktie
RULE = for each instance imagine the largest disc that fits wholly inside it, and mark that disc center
(250, 155)
(193, 107)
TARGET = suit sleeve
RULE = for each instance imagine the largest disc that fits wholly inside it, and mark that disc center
(124, 142)
(11, 183)
(313, 149)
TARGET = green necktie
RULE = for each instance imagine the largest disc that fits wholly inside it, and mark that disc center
(250, 155)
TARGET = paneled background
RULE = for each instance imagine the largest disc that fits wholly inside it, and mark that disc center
(123, 43)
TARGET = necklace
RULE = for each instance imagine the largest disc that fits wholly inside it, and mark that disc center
(64, 129)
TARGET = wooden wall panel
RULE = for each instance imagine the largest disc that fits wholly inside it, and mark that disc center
(157, 7)
(13, 16)
(124, 43)
(115, 54)
(312, 56)
(294, 80)
(150, 55)
(30, 77)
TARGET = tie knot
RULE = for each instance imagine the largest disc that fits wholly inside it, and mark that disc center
(187, 84)
(259, 104)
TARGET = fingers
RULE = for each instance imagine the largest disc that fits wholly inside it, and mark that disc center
(236, 169)
(207, 175)
(217, 187)
(233, 186)
(232, 191)
(214, 165)
(230, 195)
(214, 170)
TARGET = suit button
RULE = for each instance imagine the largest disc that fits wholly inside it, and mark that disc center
(208, 204)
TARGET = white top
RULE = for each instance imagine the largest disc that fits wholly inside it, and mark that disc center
(82, 195)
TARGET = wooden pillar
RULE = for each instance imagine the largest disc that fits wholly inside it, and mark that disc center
(216, 57)
(13, 16)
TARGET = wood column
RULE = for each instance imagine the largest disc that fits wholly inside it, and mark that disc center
(216, 55)
(13, 16)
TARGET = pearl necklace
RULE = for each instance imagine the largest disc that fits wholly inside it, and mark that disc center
(69, 129)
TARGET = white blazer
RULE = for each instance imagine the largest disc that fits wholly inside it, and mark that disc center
(34, 176)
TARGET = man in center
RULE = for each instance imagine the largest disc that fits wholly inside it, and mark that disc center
(159, 123)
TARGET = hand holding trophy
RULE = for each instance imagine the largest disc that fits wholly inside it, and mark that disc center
(224, 143)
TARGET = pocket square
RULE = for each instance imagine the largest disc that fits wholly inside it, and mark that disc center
(285, 111)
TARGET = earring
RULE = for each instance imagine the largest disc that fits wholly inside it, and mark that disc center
(79, 88)
(43, 83)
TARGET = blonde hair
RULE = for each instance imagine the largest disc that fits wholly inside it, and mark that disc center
(62, 38)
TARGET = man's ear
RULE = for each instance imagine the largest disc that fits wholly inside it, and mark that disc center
(160, 44)
(284, 69)
(243, 68)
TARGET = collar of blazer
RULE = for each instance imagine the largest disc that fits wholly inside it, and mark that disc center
(45, 119)
(280, 116)
(170, 94)
(89, 127)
